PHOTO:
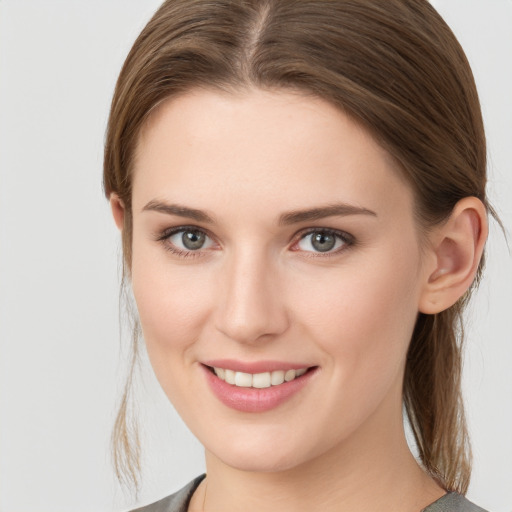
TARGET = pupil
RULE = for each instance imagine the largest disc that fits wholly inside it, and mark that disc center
(323, 242)
(193, 240)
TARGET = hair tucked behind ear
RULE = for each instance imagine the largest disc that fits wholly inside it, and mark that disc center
(397, 69)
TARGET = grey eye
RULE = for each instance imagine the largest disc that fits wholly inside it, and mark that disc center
(190, 240)
(321, 241)
(193, 240)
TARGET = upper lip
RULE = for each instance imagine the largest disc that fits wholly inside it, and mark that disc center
(255, 366)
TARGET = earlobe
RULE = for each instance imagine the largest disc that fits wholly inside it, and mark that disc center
(457, 247)
(117, 206)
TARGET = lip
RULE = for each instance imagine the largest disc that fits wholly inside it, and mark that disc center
(254, 367)
(251, 399)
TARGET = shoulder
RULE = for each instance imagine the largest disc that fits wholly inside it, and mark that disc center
(177, 502)
(453, 502)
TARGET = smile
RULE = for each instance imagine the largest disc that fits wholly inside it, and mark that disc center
(256, 390)
(258, 380)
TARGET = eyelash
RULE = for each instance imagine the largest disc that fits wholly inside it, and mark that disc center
(168, 233)
(347, 239)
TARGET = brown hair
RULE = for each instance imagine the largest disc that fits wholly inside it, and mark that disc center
(395, 67)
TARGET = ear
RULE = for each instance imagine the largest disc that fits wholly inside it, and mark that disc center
(455, 250)
(117, 207)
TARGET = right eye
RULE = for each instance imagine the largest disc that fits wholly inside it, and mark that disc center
(184, 241)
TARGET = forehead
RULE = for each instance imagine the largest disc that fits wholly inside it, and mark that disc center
(282, 148)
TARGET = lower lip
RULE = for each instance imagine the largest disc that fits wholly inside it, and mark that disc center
(254, 399)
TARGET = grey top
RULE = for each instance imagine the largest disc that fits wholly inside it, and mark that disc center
(178, 502)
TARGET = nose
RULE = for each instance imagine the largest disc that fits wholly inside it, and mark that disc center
(250, 308)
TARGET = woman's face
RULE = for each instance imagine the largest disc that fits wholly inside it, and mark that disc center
(271, 233)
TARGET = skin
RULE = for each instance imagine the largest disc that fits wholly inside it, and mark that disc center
(258, 290)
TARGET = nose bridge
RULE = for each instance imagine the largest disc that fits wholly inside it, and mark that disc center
(250, 304)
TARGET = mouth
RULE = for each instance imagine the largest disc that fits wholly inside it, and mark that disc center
(260, 391)
(257, 380)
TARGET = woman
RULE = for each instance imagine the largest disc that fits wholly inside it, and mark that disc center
(300, 187)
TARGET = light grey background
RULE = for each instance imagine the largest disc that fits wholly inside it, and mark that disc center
(60, 365)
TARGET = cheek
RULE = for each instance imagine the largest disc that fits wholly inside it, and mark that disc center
(170, 307)
(363, 319)
(172, 303)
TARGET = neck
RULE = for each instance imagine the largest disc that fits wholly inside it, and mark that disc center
(372, 470)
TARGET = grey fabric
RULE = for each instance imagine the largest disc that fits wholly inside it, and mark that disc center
(453, 502)
(178, 502)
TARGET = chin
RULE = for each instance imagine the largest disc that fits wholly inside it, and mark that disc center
(261, 455)
(256, 463)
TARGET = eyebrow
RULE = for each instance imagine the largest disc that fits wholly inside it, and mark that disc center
(179, 210)
(338, 210)
(288, 218)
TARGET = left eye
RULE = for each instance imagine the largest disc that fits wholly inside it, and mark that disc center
(190, 240)
(322, 241)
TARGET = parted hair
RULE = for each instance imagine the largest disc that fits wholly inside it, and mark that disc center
(396, 68)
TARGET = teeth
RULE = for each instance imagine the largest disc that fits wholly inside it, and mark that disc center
(229, 376)
(243, 380)
(289, 375)
(258, 380)
(261, 380)
(277, 377)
